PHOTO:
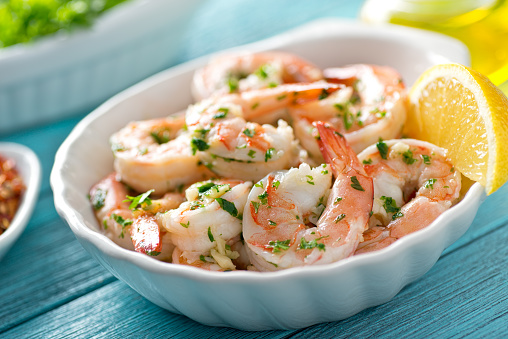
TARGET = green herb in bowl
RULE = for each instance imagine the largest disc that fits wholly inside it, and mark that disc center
(23, 21)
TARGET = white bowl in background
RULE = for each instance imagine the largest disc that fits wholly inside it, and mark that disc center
(29, 168)
(65, 74)
(293, 298)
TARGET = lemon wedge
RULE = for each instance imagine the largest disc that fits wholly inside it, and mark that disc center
(457, 108)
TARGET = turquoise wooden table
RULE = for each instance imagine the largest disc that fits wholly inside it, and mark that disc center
(51, 288)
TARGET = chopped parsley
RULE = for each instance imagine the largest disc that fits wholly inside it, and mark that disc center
(232, 84)
(222, 112)
(99, 198)
(336, 201)
(307, 245)
(210, 235)
(251, 153)
(390, 205)
(141, 200)
(276, 184)
(426, 159)
(382, 148)
(228, 206)
(205, 187)
(279, 245)
(263, 197)
(430, 183)
(202, 258)
(399, 214)
(198, 145)
(161, 135)
(249, 132)
(367, 162)
(256, 206)
(356, 184)
(324, 94)
(185, 225)
(340, 217)
(407, 156)
(309, 180)
(272, 223)
(269, 154)
(122, 222)
(153, 253)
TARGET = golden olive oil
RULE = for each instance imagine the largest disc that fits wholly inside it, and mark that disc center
(482, 25)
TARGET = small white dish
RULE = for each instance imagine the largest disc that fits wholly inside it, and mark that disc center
(65, 74)
(296, 297)
(29, 168)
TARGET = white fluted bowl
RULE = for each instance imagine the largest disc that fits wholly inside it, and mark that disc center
(293, 298)
(65, 74)
(29, 168)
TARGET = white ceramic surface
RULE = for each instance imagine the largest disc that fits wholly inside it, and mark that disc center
(293, 298)
(29, 168)
(64, 74)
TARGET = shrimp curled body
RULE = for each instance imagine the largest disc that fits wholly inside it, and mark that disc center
(154, 154)
(414, 182)
(281, 207)
(369, 106)
(232, 73)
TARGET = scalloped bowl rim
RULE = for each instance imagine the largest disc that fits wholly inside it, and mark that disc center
(76, 221)
(31, 179)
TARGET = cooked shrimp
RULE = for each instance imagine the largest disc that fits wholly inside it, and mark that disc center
(414, 182)
(207, 227)
(369, 107)
(153, 154)
(231, 147)
(239, 72)
(127, 225)
(281, 207)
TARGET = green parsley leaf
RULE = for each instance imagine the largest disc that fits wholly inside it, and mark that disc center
(198, 145)
(228, 207)
(382, 148)
(249, 133)
(340, 217)
(153, 253)
(269, 154)
(399, 214)
(390, 205)
(356, 184)
(140, 200)
(426, 159)
(251, 153)
(99, 198)
(256, 206)
(367, 162)
(407, 156)
(210, 235)
(161, 135)
(307, 245)
(279, 245)
(430, 183)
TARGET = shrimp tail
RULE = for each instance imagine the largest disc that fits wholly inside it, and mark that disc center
(336, 151)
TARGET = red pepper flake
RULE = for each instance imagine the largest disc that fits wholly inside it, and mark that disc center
(11, 190)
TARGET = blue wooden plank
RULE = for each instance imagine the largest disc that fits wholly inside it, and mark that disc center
(452, 300)
(463, 295)
(46, 268)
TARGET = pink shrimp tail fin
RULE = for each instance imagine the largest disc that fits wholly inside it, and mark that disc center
(336, 150)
